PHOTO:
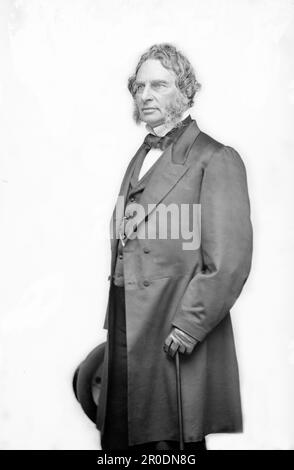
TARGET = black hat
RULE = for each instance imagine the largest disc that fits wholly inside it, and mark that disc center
(87, 381)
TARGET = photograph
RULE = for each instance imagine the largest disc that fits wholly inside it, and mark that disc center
(146, 227)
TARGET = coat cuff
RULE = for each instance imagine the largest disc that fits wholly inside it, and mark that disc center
(196, 332)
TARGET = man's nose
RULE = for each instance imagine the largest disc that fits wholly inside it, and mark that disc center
(147, 93)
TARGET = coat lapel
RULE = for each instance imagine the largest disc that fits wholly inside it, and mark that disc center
(161, 182)
(172, 166)
(119, 208)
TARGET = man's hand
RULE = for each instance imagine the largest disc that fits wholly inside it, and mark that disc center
(180, 341)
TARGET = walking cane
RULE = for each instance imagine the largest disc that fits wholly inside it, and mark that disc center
(179, 400)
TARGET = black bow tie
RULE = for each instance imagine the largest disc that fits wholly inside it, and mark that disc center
(156, 142)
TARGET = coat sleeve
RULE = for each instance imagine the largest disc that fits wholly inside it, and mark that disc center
(226, 246)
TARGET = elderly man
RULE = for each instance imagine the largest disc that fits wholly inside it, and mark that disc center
(167, 294)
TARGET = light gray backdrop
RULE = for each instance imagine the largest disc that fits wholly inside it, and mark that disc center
(66, 138)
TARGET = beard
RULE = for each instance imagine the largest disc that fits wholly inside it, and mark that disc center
(172, 112)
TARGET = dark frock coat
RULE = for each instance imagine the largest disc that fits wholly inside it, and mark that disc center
(192, 289)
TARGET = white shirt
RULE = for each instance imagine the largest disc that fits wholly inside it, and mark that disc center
(153, 154)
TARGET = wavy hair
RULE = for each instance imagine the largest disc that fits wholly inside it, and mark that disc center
(172, 59)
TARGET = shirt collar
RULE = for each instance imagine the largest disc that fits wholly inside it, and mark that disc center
(163, 129)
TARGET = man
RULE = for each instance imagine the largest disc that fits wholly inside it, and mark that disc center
(168, 295)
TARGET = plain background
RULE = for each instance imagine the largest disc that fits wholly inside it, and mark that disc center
(67, 135)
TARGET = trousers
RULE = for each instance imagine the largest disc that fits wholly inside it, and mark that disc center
(115, 436)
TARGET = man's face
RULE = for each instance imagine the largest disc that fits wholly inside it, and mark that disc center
(156, 92)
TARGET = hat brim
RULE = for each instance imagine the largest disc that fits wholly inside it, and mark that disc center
(87, 381)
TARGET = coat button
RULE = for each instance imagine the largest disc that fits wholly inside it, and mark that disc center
(146, 283)
(146, 250)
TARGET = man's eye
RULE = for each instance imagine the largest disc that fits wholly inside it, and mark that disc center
(157, 86)
(139, 88)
